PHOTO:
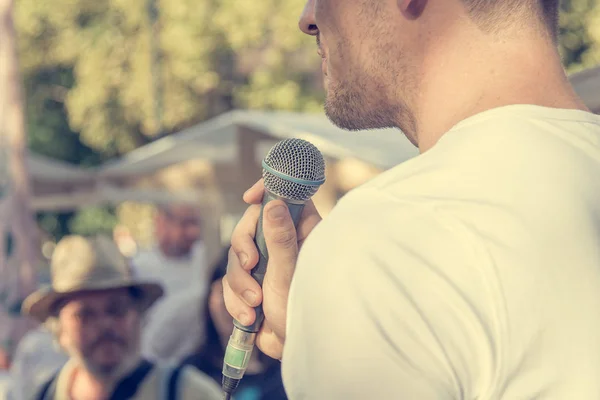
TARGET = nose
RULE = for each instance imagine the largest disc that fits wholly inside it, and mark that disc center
(307, 21)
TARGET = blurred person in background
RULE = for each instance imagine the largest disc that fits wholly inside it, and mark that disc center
(94, 308)
(262, 380)
(177, 330)
(178, 261)
(186, 310)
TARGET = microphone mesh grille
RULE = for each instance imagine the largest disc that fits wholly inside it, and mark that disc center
(298, 159)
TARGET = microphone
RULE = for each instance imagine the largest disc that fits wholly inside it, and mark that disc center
(293, 171)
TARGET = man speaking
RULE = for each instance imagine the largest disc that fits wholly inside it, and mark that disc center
(469, 272)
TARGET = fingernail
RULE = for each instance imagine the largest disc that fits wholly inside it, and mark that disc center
(277, 213)
(243, 319)
(243, 259)
(249, 296)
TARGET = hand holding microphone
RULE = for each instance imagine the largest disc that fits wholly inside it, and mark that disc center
(283, 242)
(269, 242)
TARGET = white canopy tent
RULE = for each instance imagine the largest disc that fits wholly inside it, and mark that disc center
(48, 170)
(218, 142)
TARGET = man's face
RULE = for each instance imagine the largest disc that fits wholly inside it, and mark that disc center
(177, 229)
(367, 66)
(101, 329)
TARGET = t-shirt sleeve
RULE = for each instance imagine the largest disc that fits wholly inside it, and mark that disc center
(382, 306)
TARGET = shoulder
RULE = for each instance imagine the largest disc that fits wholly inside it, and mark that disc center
(179, 309)
(35, 338)
(149, 256)
(401, 270)
(374, 225)
(47, 388)
(193, 384)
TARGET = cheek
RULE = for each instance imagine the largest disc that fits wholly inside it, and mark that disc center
(192, 233)
(130, 327)
(74, 337)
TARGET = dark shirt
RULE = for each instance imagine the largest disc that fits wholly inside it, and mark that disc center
(266, 385)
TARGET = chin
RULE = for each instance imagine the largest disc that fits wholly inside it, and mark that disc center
(357, 110)
(103, 370)
(343, 115)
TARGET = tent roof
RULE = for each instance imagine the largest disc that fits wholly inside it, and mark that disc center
(216, 140)
(42, 168)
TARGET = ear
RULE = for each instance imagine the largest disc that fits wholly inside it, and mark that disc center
(412, 9)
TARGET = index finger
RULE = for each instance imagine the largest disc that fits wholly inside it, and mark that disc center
(242, 238)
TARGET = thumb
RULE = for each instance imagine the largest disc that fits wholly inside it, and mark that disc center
(282, 245)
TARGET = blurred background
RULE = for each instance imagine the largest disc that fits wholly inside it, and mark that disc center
(113, 107)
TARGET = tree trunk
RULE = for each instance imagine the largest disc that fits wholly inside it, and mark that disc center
(13, 134)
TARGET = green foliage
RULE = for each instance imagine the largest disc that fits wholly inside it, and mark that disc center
(207, 67)
(93, 220)
(580, 34)
(48, 126)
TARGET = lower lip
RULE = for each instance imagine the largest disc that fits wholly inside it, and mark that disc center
(324, 67)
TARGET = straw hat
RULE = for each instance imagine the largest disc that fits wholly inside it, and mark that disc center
(82, 265)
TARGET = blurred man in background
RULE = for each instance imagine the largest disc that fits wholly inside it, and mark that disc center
(95, 308)
(178, 262)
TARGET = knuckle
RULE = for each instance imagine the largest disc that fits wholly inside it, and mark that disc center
(233, 284)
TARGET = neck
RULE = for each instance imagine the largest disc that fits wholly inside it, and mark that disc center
(85, 385)
(459, 81)
(167, 253)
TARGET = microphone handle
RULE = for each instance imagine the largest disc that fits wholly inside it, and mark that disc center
(259, 271)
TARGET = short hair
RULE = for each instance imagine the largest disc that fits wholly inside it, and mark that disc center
(489, 14)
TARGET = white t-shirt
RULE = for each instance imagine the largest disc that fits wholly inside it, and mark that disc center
(185, 278)
(178, 329)
(471, 271)
(175, 274)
